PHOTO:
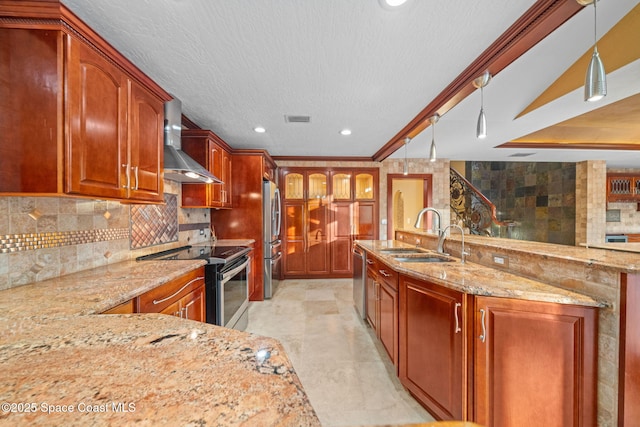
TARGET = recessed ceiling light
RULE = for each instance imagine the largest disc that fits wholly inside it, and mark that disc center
(259, 129)
(392, 4)
(345, 132)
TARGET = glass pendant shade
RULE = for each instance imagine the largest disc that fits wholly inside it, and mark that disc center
(595, 82)
(432, 151)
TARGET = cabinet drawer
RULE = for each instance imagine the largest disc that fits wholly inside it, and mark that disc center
(384, 273)
(156, 300)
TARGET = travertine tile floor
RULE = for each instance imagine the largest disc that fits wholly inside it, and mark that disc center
(348, 379)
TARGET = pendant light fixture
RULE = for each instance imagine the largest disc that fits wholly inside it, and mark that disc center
(481, 82)
(595, 82)
(432, 151)
(405, 170)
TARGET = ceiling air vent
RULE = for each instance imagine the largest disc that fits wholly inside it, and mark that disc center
(522, 154)
(297, 119)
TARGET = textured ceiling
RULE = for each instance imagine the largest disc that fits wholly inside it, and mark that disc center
(352, 64)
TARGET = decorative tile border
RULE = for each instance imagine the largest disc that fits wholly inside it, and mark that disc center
(31, 241)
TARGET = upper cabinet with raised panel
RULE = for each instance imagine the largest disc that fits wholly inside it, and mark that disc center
(82, 119)
(209, 150)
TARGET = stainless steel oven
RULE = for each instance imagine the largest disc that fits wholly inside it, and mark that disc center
(232, 294)
(227, 274)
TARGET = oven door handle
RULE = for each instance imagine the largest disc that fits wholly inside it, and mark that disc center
(229, 274)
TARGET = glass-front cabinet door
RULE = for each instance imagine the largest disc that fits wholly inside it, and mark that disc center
(341, 186)
(294, 186)
(365, 186)
(317, 186)
(305, 185)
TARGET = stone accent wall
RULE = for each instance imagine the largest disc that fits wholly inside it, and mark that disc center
(591, 195)
(538, 196)
(46, 237)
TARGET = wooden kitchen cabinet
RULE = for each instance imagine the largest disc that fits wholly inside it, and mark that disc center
(535, 363)
(103, 138)
(382, 305)
(245, 220)
(182, 297)
(305, 223)
(213, 153)
(623, 187)
(327, 209)
(127, 307)
(629, 381)
(431, 346)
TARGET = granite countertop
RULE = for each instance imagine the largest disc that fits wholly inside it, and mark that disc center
(65, 364)
(476, 279)
(621, 257)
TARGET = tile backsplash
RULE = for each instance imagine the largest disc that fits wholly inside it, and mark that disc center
(46, 237)
(154, 224)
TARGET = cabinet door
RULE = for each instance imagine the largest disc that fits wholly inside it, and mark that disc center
(388, 320)
(431, 346)
(535, 363)
(629, 395)
(215, 167)
(225, 175)
(192, 306)
(372, 296)
(341, 240)
(365, 221)
(294, 238)
(146, 151)
(172, 309)
(31, 125)
(317, 223)
(96, 117)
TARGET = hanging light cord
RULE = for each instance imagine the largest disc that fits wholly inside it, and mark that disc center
(595, 26)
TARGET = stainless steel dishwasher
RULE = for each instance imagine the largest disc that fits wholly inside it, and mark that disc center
(359, 281)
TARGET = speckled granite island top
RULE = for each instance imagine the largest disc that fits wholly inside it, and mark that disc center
(63, 364)
(476, 279)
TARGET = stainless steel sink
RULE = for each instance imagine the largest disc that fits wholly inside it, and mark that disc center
(392, 251)
(428, 258)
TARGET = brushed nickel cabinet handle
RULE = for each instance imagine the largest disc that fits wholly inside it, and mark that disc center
(135, 174)
(455, 311)
(483, 337)
(384, 273)
(369, 261)
(155, 302)
(128, 175)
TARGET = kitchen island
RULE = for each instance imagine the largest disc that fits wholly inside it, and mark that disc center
(64, 363)
(610, 277)
(482, 344)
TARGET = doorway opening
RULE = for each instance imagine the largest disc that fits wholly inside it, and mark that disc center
(406, 196)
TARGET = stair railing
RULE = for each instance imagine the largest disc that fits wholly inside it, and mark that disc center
(476, 212)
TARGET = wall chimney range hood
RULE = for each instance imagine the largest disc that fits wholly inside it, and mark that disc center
(178, 166)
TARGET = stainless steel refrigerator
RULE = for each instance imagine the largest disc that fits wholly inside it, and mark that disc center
(272, 218)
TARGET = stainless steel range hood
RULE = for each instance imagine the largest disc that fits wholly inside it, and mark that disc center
(178, 166)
